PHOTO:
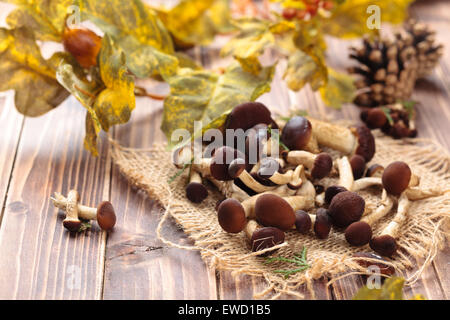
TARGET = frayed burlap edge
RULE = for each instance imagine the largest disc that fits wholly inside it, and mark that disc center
(424, 233)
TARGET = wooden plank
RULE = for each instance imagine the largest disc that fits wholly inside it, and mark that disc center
(138, 265)
(11, 123)
(41, 260)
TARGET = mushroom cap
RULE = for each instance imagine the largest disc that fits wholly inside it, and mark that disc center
(268, 167)
(296, 133)
(196, 192)
(106, 217)
(385, 245)
(332, 191)
(366, 142)
(266, 237)
(358, 233)
(273, 211)
(322, 225)
(322, 166)
(231, 216)
(72, 225)
(374, 170)
(303, 221)
(376, 118)
(345, 208)
(221, 160)
(384, 268)
(396, 177)
(358, 164)
(247, 115)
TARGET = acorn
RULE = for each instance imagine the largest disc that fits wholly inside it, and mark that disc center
(83, 44)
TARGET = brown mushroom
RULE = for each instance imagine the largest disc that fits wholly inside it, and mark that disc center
(355, 140)
(331, 191)
(396, 177)
(320, 165)
(375, 170)
(71, 221)
(367, 259)
(358, 233)
(195, 190)
(263, 237)
(232, 215)
(322, 223)
(104, 213)
(249, 114)
(358, 164)
(345, 208)
(303, 221)
(296, 133)
(274, 211)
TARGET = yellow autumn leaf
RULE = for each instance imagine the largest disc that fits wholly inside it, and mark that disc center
(201, 95)
(353, 18)
(138, 31)
(392, 289)
(339, 89)
(23, 69)
(45, 17)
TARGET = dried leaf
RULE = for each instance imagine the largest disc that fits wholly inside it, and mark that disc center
(196, 21)
(339, 89)
(200, 95)
(45, 17)
(109, 102)
(23, 69)
(253, 38)
(302, 69)
(138, 31)
(392, 289)
(349, 19)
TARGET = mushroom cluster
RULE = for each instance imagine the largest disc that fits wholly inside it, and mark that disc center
(271, 181)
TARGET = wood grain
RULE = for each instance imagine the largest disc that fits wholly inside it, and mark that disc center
(39, 257)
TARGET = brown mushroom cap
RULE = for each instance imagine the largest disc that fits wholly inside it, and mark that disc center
(236, 167)
(322, 166)
(249, 114)
(322, 225)
(375, 170)
(384, 245)
(273, 211)
(196, 192)
(345, 208)
(375, 118)
(267, 237)
(366, 142)
(332, 191)
(296, 133)
(396, 177)
(303, 221)
(106, 217)
(221, 160)
(358, 233)
(231, 216)
(72, 225)
(358, 164)
(384, 268)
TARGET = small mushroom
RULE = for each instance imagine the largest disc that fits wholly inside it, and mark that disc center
(221, 160)
(322, 223)
(374, 170)
(358, 233)
(104, 213)
(247, 115)
(195, 190)
(345, 173)
(296, 133)
(385, 243)
(396, 177)
(358, 164)
(345, 208)
(269, 170)
(71, 221)
(320, 165)
(386, 205)
(303, 221)
(355, 140)
(331, 191)
(367, 259)
(263, 237)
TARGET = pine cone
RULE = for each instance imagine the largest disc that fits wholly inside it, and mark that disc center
(389, 68)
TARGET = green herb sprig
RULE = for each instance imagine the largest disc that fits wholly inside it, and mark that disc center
(299, 259)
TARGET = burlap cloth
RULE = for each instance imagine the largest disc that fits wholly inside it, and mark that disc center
(424, 233)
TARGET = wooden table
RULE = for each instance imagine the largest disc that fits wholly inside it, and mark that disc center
(38, 156)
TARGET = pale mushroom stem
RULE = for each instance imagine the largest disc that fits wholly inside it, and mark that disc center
(301, 157)
(72, 205)
(345, 173)
(381, 211)
(229, 189)
(300, 202)
(250, 182)
(84, 212)
(420, 194)
(392, 229)
(195, 177)
(333, 136)
(365, 183)
(250, 227)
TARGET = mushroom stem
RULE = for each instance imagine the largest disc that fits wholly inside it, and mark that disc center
(301, 157)
(381, 211)
(300, 202)
(250, 182)
(319, 165)
(71, 221)
(365, 183)
(334, 136)
(419, 194)
(251, 227)
(392, 229)
(84, 212)
(345, 173)
(229, 189)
